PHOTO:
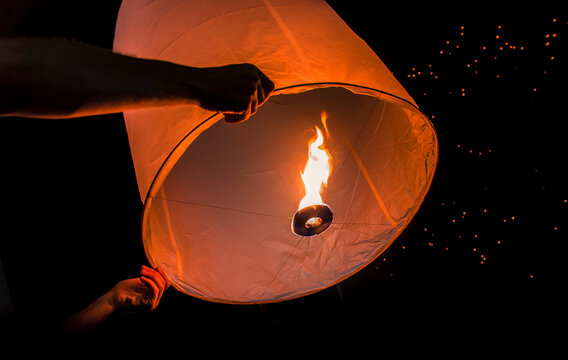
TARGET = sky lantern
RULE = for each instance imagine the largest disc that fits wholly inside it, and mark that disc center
(309, 190)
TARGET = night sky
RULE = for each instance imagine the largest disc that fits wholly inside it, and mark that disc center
(480, 260)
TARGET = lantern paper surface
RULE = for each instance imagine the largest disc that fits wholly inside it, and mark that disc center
(219, 198)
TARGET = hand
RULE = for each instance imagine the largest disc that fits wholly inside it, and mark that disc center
(235, 90)
(143, 293)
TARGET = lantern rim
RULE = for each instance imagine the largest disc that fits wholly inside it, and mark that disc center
(192, 134)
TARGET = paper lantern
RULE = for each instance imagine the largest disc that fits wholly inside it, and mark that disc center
(220, 200)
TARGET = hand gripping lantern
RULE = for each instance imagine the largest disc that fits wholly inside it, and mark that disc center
(222, 214)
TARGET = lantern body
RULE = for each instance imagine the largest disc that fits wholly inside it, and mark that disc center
(219, 198)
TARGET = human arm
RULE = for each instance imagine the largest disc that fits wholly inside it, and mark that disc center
(142, 293)
(58, 78)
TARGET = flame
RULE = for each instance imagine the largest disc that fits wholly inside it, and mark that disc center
(317, 168)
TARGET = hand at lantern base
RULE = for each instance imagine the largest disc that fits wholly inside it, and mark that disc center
(138, 294)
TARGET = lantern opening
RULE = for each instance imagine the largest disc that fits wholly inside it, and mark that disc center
(313, 222)
(233, 209)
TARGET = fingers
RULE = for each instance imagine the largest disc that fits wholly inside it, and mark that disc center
(156, 283)
(259, 94)
(165, 277)
(235, 118)
(157, 275)
(254, 104)
(153, 295)
(239, 117)
(267, 87)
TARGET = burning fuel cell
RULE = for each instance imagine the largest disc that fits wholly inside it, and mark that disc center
(312, 220)
(313, 216)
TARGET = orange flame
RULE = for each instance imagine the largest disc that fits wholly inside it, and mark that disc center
(317, 168)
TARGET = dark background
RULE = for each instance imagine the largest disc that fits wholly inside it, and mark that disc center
(479, 262)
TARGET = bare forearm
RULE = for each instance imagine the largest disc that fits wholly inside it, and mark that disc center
(92, 316)
(56, 78)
